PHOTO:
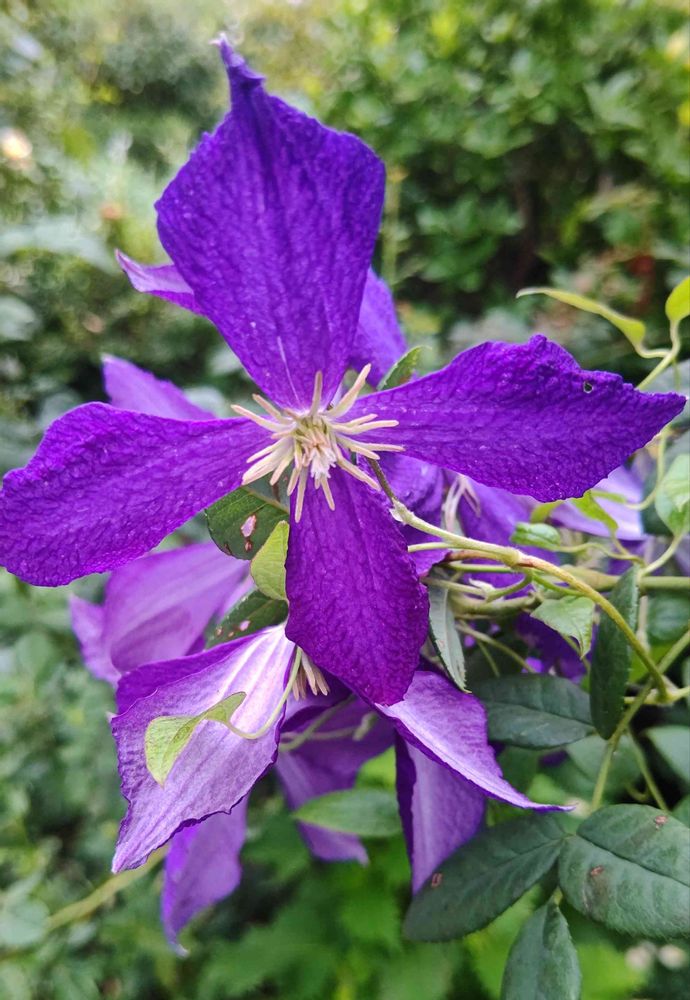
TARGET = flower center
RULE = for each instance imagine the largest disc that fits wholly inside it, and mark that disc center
(315, 441)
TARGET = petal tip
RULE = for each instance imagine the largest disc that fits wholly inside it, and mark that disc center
(239, 72)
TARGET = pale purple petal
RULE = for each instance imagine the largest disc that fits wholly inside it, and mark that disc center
(630, 529)
(87, 622)
(524, 418)
(216, 768)
(107, 485)
(202, 866)
(132, 388)
(439, 810)
(379, 340)
(356, 605)
(272, 223)
(450, 727)
(163, 280)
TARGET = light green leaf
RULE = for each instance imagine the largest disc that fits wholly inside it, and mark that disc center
(268, 565)
(627, 867)
(22, 923)
(542, 964)
(444, 635)
(633, 329)
(484, 877)
(365, 812)
(537, 712)
(612, 657)
(678, 302)
(168, 735)
(673, 499)
(252, 612)
(570, 616)
(402, 370)
(241, 522)
(542, 536)
(588, 505)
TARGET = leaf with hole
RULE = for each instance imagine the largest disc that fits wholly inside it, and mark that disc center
(252, 612)
(241, 522)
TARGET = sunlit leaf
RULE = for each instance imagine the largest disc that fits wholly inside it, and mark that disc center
(402, 370)
(678, 302)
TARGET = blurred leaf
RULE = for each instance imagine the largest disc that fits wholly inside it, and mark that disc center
(252, 612)
(612, 657)
(627, 868)
(536, 711)
(587, 755)
(673, 743)
(673, 498)
(682, 811)
(678, 303)
(17, 319)
(633, 329)
(667, 617)
(570, 616)
(402, 371)
(444, 635)
(58, 235)
(543, 964)
(23, 923)
(268, 565)
(366, 812)
(241, 522)
(484, 877)
(543, 536)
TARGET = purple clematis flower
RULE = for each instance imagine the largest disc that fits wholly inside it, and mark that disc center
(270, 227)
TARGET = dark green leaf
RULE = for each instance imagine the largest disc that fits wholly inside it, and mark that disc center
(612, 657)
(542, 964)
(627, 867)
(268, 565)
(241, 522)
(673, 743)
(484, 878)
(534, 711)
(587, 756)
(571, 616)
(366, 812)
(402, 370)
(253, 612)
(444, 635)
(667, 617)
(543, 536)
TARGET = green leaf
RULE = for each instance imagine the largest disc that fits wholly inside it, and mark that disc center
(682, 811)
(667, 617)
(241, 522)
(612, 657)
(444, 635)
(633, 329)
(168, 735)
(588, 505)
(402, 370)
(23, 923)
(673, 743)
(543, 536)
(673, 499)
(268, 565)
(570, 616)
(536, 712)
(252, 612)
(484, 877)
(587, 756)
(678, 303)
(542, 964)
(627, 867)
(366, 812)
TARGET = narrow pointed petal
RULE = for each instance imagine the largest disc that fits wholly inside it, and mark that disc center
(107, 485)
(202, 867)
(440, 811)
(525, 418)
(163, 280)
(331, 765)
(379, 341)
(450, 728)
(356, 606)
(133, 388)
(87, 622)
(216, 768)
(272, 224)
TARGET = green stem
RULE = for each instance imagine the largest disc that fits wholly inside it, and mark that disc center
(490, 641)
(648, 776)
(667, 360)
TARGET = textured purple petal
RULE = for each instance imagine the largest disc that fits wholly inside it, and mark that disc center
(132, 388)
(272, 223)
(450, 727)
(87, 622)
(163, 280)
(379, 340)
(216, 768)
(202, 866)
(317, 767)
(525, 418)
(440, 811)
(356, 605)
(107, 485)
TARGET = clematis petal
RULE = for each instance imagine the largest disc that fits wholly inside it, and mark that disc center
(525, 418)
(439, 810)
(450, 728)
(379, 340)
(216, 768)
(133, 388)
(157, 607)
(330, 765)
(87, 622)
(163, 280)
(356, 606)
(272, 223)
(107, 485)
(202, 866)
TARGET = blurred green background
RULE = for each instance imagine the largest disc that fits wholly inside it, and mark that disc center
(534, 143)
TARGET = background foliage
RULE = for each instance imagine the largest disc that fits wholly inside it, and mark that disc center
(525, 144)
